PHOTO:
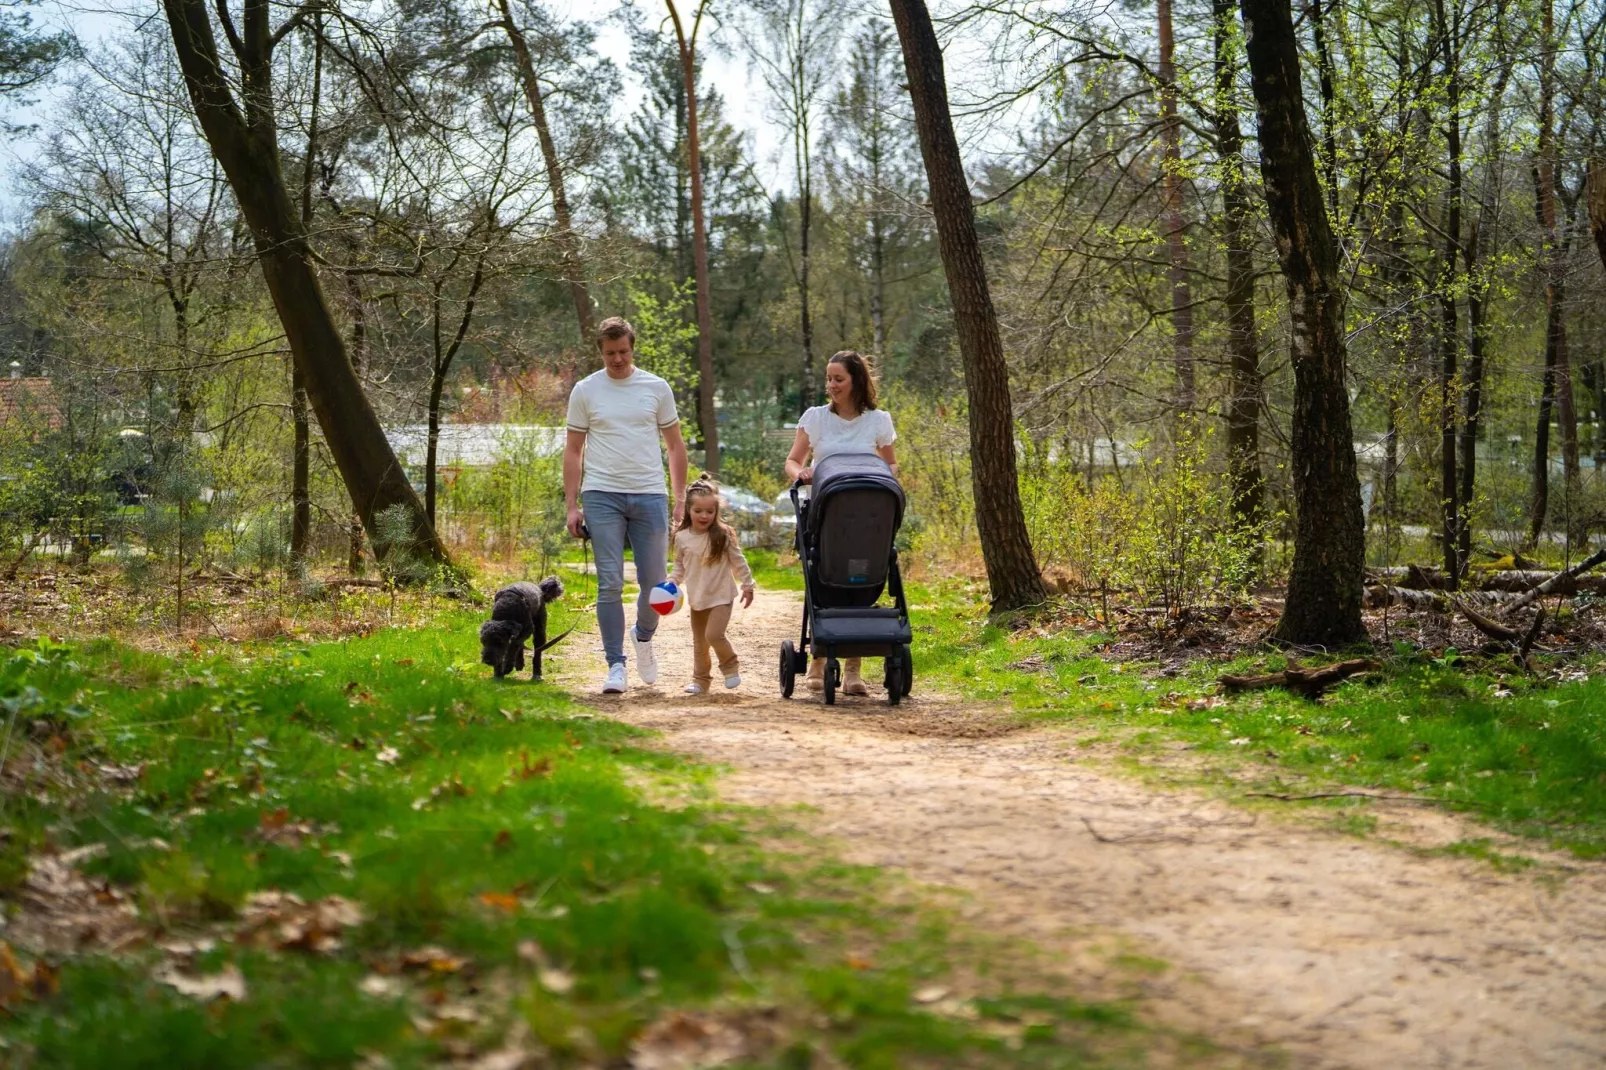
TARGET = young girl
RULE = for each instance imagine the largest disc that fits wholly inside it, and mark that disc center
(708, 565)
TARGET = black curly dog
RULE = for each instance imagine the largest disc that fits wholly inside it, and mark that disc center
(518, 613)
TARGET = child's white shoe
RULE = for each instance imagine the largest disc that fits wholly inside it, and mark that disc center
(733, 680)
(694, 688)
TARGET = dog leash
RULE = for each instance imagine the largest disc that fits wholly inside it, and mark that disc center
(585, 567)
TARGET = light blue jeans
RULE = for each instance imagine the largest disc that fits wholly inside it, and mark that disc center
(642, 521)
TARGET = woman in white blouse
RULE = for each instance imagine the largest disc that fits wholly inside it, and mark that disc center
(850, 423)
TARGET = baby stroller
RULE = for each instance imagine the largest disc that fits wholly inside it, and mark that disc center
(844, 541)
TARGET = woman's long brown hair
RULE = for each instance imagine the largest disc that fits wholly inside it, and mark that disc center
(858, 371)
(719, 532)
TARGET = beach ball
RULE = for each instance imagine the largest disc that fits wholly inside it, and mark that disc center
(666, 598)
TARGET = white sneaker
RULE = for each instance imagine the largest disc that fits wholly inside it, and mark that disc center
(733, 680)
(646, 660)
(615, 683)
(694, 688)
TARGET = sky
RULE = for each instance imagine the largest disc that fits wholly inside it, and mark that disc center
(971, 71)
(727, 70)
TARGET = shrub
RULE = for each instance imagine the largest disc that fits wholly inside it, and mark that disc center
(1165, 539)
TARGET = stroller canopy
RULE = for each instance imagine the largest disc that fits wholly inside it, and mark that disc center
(844, 472)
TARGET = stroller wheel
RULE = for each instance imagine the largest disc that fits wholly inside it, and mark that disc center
(895, 691)
(906, 660)
(833, 677)
(788, 669)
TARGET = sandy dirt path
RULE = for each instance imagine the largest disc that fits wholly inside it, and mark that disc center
(1337, 951)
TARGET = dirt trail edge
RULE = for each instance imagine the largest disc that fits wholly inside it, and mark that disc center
(1338, 951)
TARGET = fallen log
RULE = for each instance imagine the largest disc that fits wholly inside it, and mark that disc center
(1380, 595)
(1492, 628)
(1415, 578)
(1522, 581)
(1308, 682)
(1532, 636)
(1551, 586)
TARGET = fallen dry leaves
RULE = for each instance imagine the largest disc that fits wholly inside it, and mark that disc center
(683, 1041)
(287, 922)
(19, 982)
(227, 983)
(59, 910)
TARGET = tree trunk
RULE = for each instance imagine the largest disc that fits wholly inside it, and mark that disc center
(1539, 491)
(1325, 83)
(1450, 504)
(568, 240)
(359, 358)
(1558, 367)
(246, 145)
(300, 496)
(805, 204)
(878, 286)
(1006, 547)
(1175, 230)
(1243, 390)
(1597, 204)
(1324, 588)
(440, 367)
(300, 463)
(437, 386)
(706, 413)
(1484, 245)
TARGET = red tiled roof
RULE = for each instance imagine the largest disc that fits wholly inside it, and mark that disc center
(32, 400)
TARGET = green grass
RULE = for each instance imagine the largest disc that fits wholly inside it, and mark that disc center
(473, 816)
(1524, 752)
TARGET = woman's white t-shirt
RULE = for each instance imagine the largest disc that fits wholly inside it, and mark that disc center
(830, 434)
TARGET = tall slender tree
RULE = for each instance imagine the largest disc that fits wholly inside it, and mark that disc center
(1176, 236)
(1447, 32)
(686, 41)
(1006, 547)
(1243, 347)
(794, 44)
(1324, 587)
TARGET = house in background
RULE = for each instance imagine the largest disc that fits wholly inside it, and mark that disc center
(464, 446)
(28, 402)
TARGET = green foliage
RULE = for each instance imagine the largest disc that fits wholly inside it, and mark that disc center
(396, 540)
(514, 509)
(666, 333)
(1164, 535)
(934, 466)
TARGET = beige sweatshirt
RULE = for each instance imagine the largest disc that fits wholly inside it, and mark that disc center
(708, 585)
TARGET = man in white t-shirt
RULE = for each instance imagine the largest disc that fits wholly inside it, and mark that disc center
(616, 416)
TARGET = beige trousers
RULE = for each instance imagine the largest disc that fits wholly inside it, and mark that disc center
(708, 630)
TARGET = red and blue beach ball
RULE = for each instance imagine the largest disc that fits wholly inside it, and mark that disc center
(666, 598)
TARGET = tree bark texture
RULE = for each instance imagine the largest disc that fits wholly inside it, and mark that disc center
(569, 242)
(1006, 547)
(1483, 244)
(1243, 389)
(300, 477)
(1558, 366)
(1175, 230)
(706, 387)
(245, 143)
(1325, 584)
(805, 227)
(1597, 204)
(1450, 504)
